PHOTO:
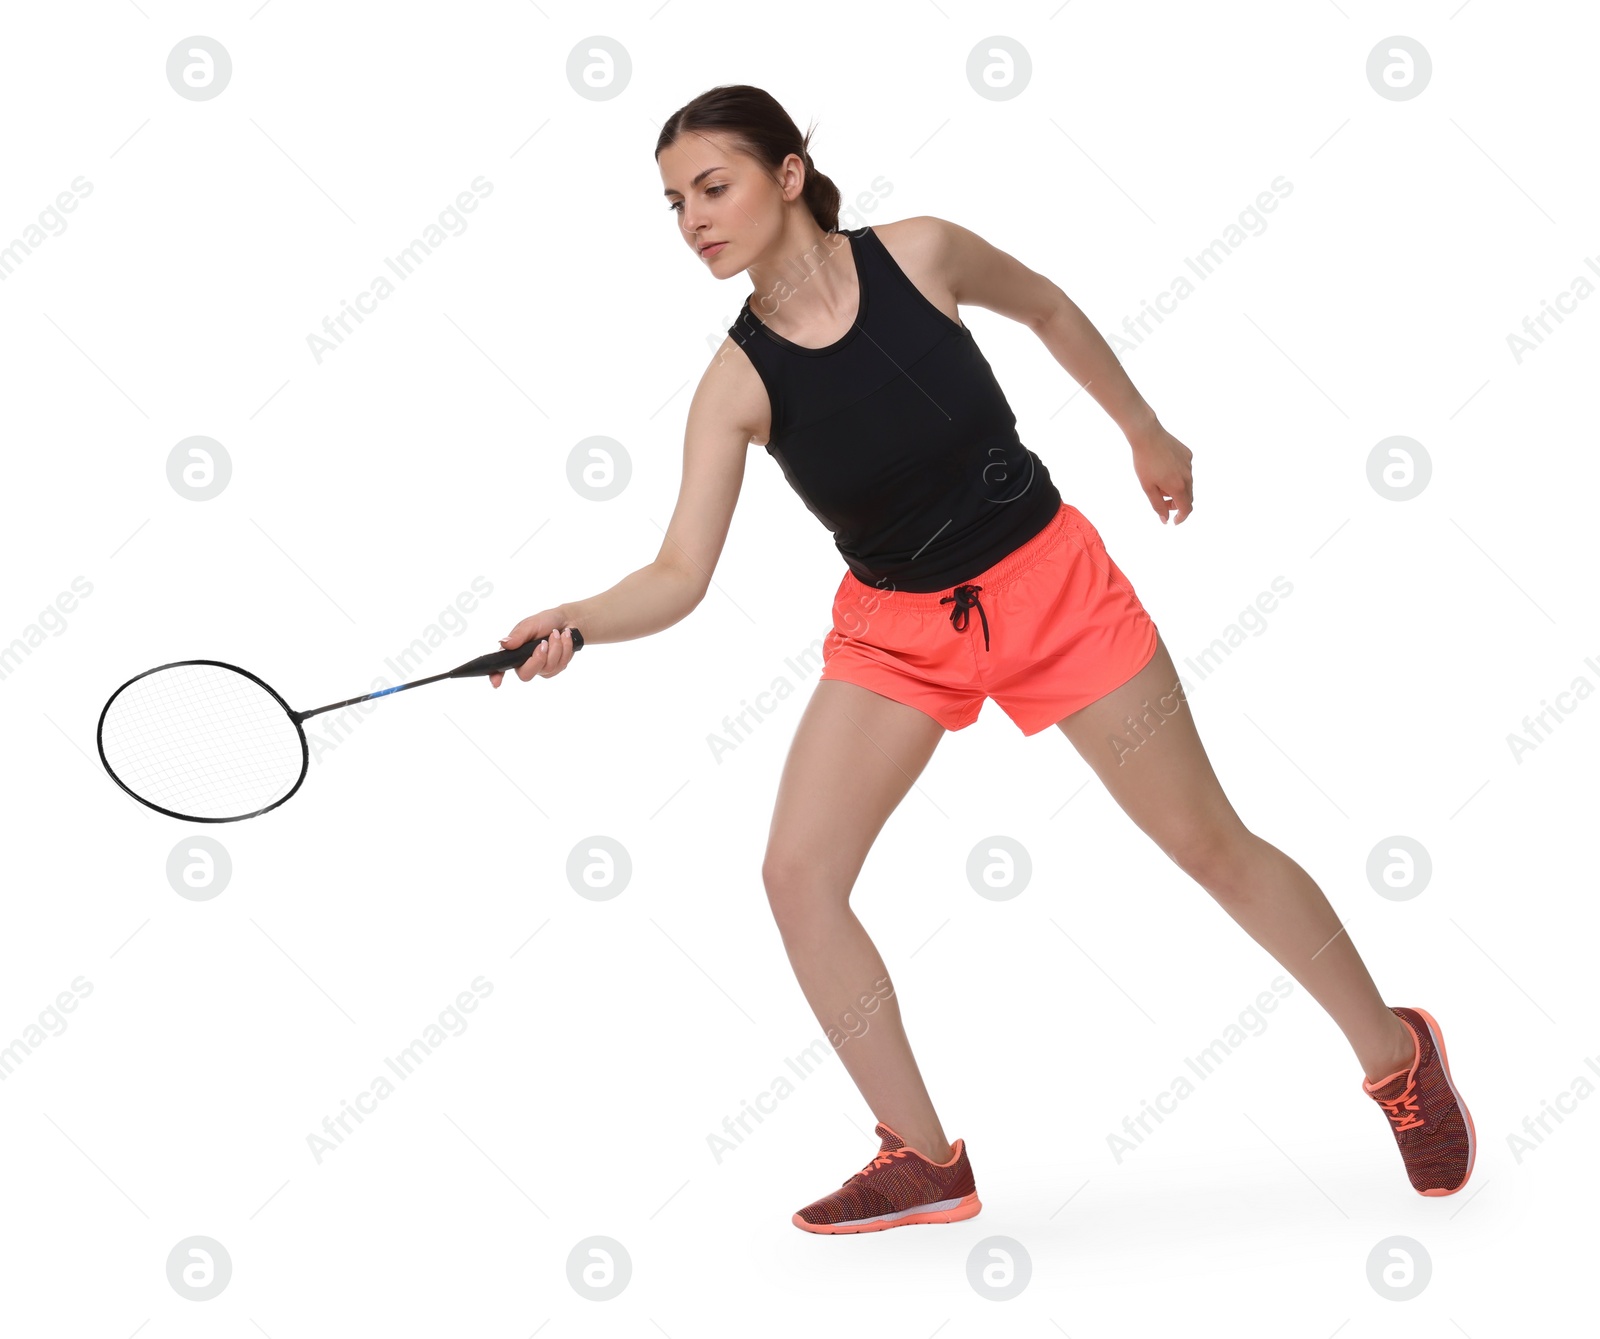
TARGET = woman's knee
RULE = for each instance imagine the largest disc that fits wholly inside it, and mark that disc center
(1217, 858)
(800, 889)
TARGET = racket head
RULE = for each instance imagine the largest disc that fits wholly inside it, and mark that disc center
(203, 741)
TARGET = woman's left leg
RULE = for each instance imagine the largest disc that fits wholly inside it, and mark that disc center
(1157, 770)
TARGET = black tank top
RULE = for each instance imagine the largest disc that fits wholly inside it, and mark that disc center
(898, 438)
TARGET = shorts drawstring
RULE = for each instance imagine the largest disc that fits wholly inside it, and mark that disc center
(966, 597)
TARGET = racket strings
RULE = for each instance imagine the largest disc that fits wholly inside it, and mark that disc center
(202, 740)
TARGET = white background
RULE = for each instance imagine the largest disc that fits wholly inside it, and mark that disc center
(424, 850)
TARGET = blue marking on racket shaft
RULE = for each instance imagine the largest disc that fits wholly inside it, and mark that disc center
(384, 692)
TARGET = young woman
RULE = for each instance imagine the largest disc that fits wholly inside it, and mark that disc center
(850, 364)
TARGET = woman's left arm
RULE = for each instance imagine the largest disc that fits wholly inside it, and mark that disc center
(984, 276)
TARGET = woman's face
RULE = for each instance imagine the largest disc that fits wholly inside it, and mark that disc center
(719, 195)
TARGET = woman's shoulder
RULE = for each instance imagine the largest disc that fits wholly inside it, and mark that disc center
(920, 247)
(918, 238)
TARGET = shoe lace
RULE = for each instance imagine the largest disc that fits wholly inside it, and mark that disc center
(1404, 1108)
(883, 1157)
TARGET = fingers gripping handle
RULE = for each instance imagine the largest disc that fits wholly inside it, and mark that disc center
(497, 661)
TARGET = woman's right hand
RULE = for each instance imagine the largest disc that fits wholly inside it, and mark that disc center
(553, 652)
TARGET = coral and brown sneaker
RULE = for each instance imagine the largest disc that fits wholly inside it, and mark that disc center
(900, 1186)
(1431, 1123)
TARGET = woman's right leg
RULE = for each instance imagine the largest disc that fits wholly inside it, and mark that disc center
(854, 756)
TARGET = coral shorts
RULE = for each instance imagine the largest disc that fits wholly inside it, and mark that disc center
(1048, 629)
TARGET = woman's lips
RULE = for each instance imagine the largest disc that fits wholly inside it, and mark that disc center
(712, 250)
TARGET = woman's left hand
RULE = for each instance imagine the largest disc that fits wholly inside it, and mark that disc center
(1162, 463)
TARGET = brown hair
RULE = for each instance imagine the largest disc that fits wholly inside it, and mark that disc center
(754, 122)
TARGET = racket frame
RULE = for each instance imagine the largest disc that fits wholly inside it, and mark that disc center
(294, 716)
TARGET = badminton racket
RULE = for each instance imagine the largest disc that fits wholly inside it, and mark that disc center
(208, 742)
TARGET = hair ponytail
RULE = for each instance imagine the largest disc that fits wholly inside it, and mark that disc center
(819, 193)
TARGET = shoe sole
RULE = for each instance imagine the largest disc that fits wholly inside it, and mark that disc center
(966, 1207)
(1472, 1134)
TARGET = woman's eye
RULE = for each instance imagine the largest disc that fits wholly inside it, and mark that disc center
(677, 205)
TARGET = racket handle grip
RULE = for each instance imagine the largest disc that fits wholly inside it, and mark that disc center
(498, 661)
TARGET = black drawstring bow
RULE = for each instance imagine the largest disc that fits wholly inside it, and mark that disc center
(966, 598)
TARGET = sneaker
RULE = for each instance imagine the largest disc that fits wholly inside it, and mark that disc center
(1431, 1122)
(897, 1188)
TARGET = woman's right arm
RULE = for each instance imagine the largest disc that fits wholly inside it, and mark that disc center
(729, 401)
